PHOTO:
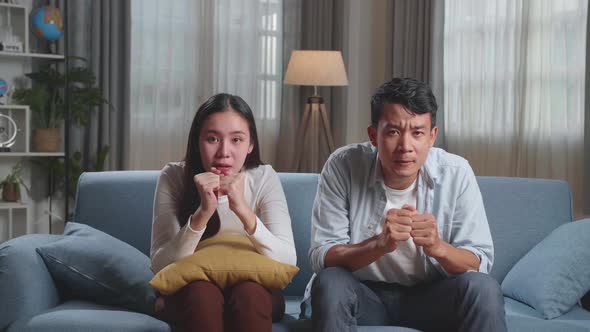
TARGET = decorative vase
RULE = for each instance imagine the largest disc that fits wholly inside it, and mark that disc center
(10, 192)
(46, 139)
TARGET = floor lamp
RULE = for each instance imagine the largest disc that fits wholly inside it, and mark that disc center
(315, 68)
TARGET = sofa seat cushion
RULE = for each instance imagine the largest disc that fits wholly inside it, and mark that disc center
(292, 325)
(82, 316)
(291, 322)
(521, 317)
(292, 306)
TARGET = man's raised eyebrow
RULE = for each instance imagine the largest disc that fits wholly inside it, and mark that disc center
(392, 125)
(397, 126)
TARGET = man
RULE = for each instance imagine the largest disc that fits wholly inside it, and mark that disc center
(399, 231)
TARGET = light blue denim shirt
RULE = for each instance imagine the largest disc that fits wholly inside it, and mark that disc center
(350, 203)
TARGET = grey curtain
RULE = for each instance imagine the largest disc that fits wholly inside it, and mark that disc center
(415, 46)
(409, 41)
(99, 31)
(586, 207)
(308, 25)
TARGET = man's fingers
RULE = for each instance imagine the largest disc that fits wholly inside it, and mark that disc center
(423, 225)
(409, 207)
(423, 217)
(421, 233)
(405, 213)
(423, 241)
(400, 228)
(398, 220)
(400, 236)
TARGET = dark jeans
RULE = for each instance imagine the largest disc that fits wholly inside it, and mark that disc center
(202, 306)
(471, 301)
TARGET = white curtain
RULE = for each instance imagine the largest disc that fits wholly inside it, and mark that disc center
(514, 87)
(184, 51)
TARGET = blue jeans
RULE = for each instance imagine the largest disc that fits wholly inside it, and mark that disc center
(471, 301)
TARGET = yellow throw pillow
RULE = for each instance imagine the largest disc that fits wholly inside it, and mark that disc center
(224, 259)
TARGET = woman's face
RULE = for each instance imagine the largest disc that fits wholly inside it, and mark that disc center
(224, 142)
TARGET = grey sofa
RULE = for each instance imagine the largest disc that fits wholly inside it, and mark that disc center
(120, 203)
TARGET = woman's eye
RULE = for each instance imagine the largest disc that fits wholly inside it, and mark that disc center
(212, 139)
(238, 139)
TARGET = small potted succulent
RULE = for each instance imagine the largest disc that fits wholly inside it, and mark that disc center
(11, 184)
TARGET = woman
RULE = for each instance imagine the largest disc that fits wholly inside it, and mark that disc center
(221, 186)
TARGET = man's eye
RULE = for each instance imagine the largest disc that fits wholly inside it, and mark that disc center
(418, 133)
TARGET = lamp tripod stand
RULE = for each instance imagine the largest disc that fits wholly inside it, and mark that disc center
(314, 113)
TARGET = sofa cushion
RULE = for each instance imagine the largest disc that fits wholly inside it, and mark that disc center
(119, 203)
(224, 259)
(300, 190)
(555, 274)
(517, 206)
(83, 316)
(521, 317)
(26, 287)
(91, 265)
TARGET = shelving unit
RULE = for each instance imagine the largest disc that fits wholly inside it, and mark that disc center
(13, 66)
(32, 55)
(22, 148)
(10, 209)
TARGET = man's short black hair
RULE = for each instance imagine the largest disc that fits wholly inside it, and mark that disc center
(416, 96)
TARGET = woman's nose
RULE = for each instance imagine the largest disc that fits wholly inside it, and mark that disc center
(223, 149)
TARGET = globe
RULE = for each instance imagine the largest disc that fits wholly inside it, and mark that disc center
(47, 23)
(3, 87)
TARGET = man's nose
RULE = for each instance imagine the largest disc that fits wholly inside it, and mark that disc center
(405, 143)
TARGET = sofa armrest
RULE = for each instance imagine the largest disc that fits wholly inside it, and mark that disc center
(25, 283)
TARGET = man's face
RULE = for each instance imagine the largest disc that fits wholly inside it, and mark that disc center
(403, 140)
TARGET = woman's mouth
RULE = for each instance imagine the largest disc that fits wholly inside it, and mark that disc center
(224, 168)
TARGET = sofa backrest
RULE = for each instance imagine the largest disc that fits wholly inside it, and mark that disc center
(300, 191)
(521, 212)
(120, 203)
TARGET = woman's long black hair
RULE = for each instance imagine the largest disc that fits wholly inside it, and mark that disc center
(193, 164)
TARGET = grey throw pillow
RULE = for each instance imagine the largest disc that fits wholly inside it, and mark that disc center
(91, 265)
(555, 274)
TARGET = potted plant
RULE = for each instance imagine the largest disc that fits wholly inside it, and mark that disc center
(56, 169)
(11, 184)
(46, 98)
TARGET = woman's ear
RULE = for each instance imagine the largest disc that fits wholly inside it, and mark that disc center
(250, 148)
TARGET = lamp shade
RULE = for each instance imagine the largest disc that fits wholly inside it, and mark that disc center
(317, 68)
